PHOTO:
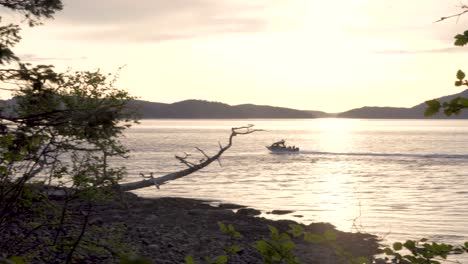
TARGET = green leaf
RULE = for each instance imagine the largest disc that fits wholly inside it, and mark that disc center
(262, 246)
(330, 235)
(433, 107)
(461, 40)
(233, 249)
(223, 227)
(134, 260)
(460, 75)
(388, 251)
(361, 260)
(189, 260)
(284, 236)
(463, 102)
(409, 244)
(222, 259)
(397, 246)
(17, 260)
(458, 83)
(209, 260)
(313, 238)
(288, 245)
(296, 230)
(273, 230)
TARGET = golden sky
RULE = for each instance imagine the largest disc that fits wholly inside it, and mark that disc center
(305, 54)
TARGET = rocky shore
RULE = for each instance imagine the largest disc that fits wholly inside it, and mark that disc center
(166, 230)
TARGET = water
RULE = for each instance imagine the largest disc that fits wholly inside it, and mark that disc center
(398, 179)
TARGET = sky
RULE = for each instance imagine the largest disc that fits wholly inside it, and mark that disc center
(304, 54)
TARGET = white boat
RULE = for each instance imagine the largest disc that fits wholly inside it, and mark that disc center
(281, 147)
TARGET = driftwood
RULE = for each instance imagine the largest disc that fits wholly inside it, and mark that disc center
(192, 167)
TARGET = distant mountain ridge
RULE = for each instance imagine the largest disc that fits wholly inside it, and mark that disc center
(201, 109)
(415, 112)
(206, 109)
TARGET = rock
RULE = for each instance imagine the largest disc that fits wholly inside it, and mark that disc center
(281, 212)
(152, 218)
(154, 247)
(142, 229)
(56, 193)
(166, 230)
(230, 206)
(96, 221)
(248, 211)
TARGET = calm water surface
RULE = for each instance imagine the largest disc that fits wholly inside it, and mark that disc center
(398, 179)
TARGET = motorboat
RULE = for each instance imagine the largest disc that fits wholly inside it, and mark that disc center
(281, 147)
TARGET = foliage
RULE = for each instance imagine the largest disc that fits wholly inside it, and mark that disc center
(279, 248)
(230, 249)
(423, 252)
(329, 238)
(461, 39)
(62, 134)
(33, 10)
(56, 138)
(456, 105)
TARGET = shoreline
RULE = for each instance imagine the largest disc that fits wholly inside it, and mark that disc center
(167, 229)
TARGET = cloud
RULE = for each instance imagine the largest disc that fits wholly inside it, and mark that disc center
(35, 58)
(159, 20)
(427, 51)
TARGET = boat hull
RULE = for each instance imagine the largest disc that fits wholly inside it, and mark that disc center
(282, 150)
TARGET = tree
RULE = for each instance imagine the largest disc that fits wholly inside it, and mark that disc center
(56, 137)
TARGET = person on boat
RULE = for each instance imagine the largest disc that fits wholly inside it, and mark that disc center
(279, 144)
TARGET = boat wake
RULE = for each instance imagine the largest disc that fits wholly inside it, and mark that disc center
(409, 155)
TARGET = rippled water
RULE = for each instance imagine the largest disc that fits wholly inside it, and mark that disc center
(398, 179)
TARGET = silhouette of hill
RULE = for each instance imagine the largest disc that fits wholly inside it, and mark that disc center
(415, 112)
(206, 109)
(382, 112)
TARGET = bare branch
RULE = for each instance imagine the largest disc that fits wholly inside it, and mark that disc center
(458, 15)
(202, 152)
(184, 160)
(245, 130)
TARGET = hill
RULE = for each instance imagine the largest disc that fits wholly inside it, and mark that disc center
(198, 109)
(414, 112)
(206, 109)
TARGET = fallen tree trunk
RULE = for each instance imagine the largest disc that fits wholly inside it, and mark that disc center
(192, 167)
